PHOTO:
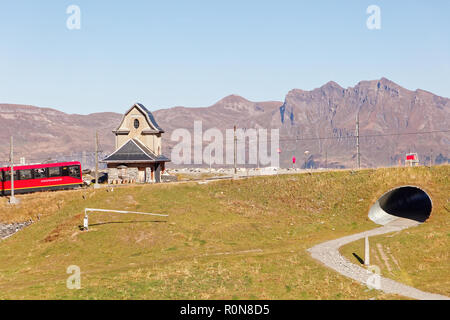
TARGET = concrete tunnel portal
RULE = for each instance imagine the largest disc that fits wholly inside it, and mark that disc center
(402, 202)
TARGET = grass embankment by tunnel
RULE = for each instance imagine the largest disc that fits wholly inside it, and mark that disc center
(242, 239)
(418, 257)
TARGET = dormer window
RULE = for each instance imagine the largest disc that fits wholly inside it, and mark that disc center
(136, 123)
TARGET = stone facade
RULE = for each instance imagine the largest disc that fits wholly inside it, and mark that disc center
(123, 175)
(149, 136)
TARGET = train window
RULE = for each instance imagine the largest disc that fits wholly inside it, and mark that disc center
(8, 175)
(40, 173)
(65, 171)
(74, 172)
(25, 174)
(54, 172)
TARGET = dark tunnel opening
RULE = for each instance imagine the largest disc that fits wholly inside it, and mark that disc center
(404, 202)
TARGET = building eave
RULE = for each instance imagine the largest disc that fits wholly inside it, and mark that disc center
(127, 157)
(151, 132)
(124, 132)
(134, 161)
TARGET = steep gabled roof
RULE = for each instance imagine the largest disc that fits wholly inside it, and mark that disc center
(134, 151)
(149, 116)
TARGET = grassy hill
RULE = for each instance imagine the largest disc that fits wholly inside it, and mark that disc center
(234, 239)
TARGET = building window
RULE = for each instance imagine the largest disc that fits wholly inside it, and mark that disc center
(136, 123)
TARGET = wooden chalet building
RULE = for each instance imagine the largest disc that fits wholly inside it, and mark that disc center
(138, 156)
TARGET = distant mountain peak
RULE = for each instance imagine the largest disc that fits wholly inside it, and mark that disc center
(328, 111)
(233, 98)
(331, 84)
(386, 82)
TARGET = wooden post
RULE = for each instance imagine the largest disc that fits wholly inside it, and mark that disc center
(96, 185)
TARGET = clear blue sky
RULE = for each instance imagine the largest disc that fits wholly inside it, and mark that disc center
(193, 53)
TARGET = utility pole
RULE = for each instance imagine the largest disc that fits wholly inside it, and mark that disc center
(257, 158)
(235, 151)
(257, 153)
(306, 159)
(96, 185)
(210, 150)
(12, 199)
(83, 159)
(358, 154)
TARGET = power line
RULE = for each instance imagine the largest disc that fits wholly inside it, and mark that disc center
(353, 136)
(90, 155)
(93, 153)
(366, 136)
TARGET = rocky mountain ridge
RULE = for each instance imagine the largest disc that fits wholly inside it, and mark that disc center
(392, 120)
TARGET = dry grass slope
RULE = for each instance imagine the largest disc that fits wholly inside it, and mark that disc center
(241, 239)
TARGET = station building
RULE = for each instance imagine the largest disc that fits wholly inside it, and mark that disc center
(137, 156)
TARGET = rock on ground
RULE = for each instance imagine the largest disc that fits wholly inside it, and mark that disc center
(7, 230)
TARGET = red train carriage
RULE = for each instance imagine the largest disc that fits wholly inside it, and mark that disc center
(41, 177)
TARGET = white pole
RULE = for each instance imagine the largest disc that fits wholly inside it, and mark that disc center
(367, 252)
(86, 216)
(12, 168)
(96, 185)
(358, 153)
(117, 211)
(235, 151)
(12, 199)
(86, 222)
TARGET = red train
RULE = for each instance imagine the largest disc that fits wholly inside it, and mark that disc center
(41, 177)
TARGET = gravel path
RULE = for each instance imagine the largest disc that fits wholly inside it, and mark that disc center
(328, 254)
(7, 230)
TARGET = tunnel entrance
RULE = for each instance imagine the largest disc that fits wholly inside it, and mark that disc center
(404, 202)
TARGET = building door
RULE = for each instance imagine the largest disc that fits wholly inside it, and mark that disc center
(158, 173)
(141, 176)
(148, 175)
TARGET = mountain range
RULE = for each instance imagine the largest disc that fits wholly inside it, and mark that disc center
(392, 122)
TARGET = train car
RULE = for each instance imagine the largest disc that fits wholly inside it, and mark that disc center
(41, 177)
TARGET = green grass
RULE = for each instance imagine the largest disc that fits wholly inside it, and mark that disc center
(191, 176)
(234, 239)
(418, 256)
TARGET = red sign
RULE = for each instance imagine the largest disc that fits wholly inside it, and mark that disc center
(293, 160)
(411, 157)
